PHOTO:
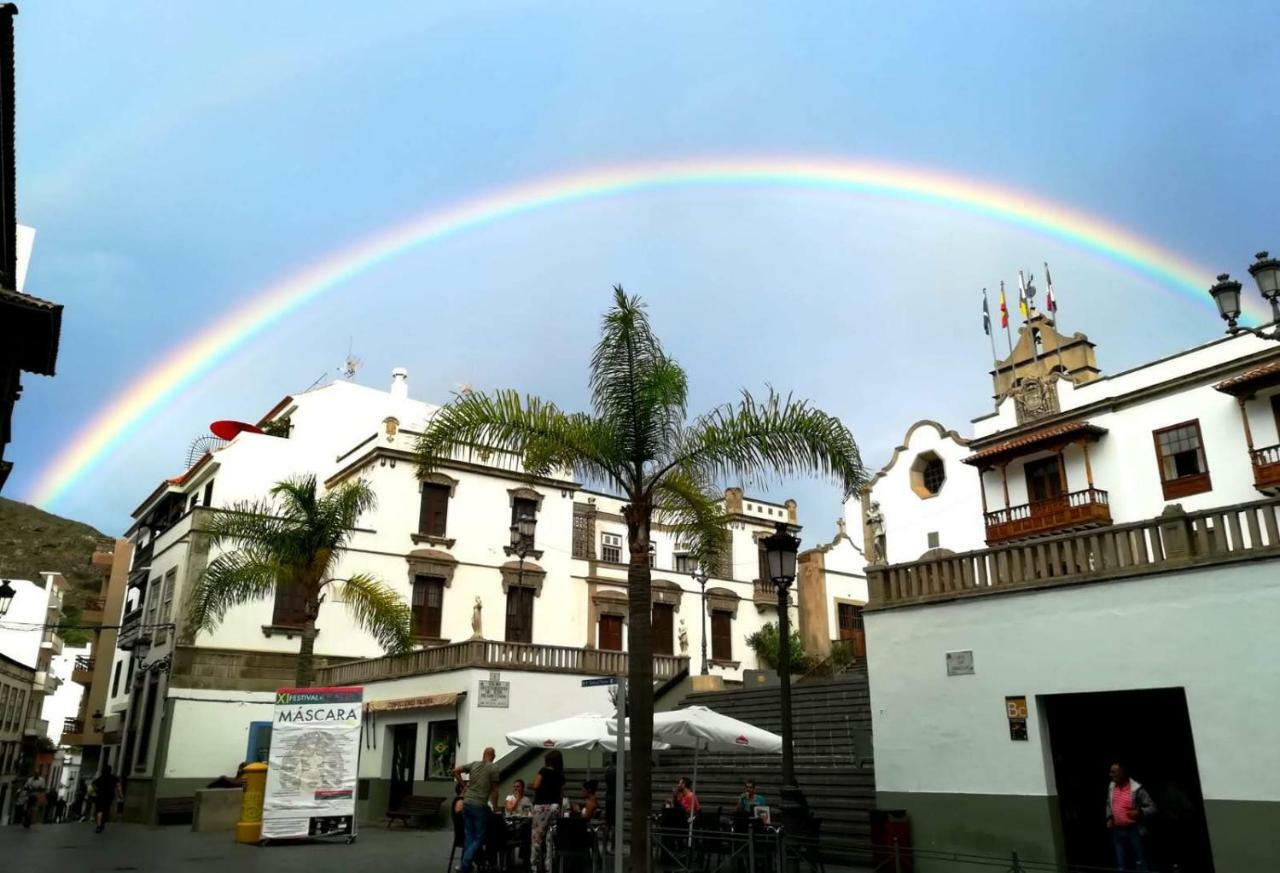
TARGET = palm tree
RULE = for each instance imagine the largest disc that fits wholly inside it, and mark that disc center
(294, 545)
(637, 443)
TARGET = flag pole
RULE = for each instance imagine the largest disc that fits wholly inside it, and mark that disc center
(1053, 308)
(1004, 317)
(995, 361)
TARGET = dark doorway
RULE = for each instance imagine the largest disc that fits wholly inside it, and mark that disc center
(404, 740)
(1149, 731)
(1044, 480)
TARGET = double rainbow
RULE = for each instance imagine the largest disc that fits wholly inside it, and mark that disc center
(146, 395)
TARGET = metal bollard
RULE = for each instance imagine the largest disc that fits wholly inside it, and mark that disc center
(249, 828)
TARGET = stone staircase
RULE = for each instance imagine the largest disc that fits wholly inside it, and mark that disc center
(831, 721)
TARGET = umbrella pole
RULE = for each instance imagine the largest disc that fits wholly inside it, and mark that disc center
(696, 750)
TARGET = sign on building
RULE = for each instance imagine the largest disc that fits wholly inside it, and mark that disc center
(960, 663)
(494, 693)
(313, 763)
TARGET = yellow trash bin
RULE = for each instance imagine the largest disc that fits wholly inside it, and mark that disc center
(249, 828)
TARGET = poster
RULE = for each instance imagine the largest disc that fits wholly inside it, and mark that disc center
(313, 765)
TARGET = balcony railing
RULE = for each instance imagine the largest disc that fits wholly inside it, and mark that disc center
(130, 630)
(82, 670)
(764, 593)
(1266, 468)
(491, 654)
(72, 726)
(94, 605)
(1074, 511)
(36, 727)
(1171, 541)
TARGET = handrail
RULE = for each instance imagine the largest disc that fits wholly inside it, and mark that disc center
(1172, 540)
(1266, 455)
(495, 654)
(1084, 497)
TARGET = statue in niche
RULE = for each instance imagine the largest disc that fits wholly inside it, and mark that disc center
(875, 524)
(476, 620)
(684, 638)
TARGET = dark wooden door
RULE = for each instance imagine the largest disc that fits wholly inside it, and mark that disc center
(851, 629)
(404, 741)
(1044, 480)
(519, 615)
(663, 629)
(610, 633)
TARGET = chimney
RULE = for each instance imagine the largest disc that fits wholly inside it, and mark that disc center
(400, 383)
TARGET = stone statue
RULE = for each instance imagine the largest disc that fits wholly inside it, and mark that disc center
(476, 623)
(875, 524)
(684, 638)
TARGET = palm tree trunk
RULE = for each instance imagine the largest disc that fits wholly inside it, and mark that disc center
(306, 673)
(640, 682)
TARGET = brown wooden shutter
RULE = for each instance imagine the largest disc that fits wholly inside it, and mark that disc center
(290, 606)
(428, 606)
(610, 633)
(519, 615)
(851, 628)
(721, 636)
(434, 513)
(663, 615)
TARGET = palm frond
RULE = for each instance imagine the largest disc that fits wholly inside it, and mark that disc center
(377, 608)
(779, 435)
(692, 508)
(230, 579)
(542, 436)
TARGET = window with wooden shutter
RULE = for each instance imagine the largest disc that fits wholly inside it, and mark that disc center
(609, 637)
(1183, 468)
(611, 548)
(428, 606)
(519, 615)
(722, 635)
(290, 606)
(762, 558)
(434, 513)
(663, 628)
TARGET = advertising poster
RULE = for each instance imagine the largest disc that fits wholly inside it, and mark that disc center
(313, 764)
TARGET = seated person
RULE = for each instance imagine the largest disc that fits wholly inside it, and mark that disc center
(590, 805)
(458, 788)
(519, 803)
(749, 799)
(684, 798)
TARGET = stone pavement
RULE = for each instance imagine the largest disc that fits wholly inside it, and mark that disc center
(124, 848)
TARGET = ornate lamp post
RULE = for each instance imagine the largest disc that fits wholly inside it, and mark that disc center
(6, 596)
(701, 576)
(522, 539)
(781, 549)
(1226, 294)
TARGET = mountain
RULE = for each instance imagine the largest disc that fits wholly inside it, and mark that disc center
(32, 540)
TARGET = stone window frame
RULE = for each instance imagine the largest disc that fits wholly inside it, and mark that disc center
(533, 577)
(611, 602)
(431, 562)
(723, 600)
(917, 470)
(666, 591)
(435, 478)
(525, 493)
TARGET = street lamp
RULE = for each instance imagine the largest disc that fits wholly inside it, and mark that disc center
(522, 541)
(701, 575)
(781, 549)
(6, 595)
(1226, 294)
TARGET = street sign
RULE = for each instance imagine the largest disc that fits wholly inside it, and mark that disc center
(960, 663)
(494, 694)
(603, 680)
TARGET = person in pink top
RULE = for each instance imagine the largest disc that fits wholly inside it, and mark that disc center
(1128, 807)
(685, 799)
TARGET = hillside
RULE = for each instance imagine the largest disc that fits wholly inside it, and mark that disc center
(32, 540)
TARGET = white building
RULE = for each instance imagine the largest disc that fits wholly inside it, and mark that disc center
(1090, 575)
(194, 707)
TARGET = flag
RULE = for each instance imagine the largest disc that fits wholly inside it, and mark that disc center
(986, 314)
(1023, 306)
(1050, 302)
(1004, 308)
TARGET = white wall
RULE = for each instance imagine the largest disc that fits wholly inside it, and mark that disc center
(209, 734)
(21, 631)
(1208, 631)
(65, 702)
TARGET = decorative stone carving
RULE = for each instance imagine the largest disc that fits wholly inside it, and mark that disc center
(1035, 398)
(875, 524)
(611, 603)
(722, 600)
(431, 562)
(532, 576)
(524, 493)
(665, 591)
(438, 478)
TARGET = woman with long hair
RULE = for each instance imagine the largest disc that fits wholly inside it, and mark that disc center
(548, 792)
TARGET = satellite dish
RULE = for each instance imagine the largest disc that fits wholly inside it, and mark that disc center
(229, 430)
(199, 446)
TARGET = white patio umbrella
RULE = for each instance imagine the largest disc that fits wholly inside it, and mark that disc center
(703, 729)
(587, 730)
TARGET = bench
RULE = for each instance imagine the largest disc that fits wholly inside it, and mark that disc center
(415, 806)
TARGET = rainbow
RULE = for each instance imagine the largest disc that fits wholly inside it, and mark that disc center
(145, 396)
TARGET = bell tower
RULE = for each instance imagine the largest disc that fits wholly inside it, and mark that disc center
(1041, 356)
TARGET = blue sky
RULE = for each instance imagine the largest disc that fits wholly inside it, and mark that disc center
(174, 158)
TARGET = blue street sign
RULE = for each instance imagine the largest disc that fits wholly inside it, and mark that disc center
(605, 680)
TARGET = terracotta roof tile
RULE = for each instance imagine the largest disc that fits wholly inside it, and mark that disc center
(1249, 379)
(1036, 438)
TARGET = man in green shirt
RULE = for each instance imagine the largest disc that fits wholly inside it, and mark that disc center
(480, 795)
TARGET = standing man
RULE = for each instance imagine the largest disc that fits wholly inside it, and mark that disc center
(29, 797)
(480, 796)
(1128, 807)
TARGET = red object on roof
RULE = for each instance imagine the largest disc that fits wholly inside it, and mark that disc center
(229, 430)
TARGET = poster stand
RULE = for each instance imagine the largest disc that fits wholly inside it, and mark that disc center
(313, 766)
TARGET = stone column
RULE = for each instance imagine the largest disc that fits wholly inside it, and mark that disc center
(811, 600)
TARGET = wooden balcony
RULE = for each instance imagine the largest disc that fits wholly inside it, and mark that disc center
(92, 610)
(491, 655)
(1266, 469)
(1173, 541)
(82, 671)
(1077, 510)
